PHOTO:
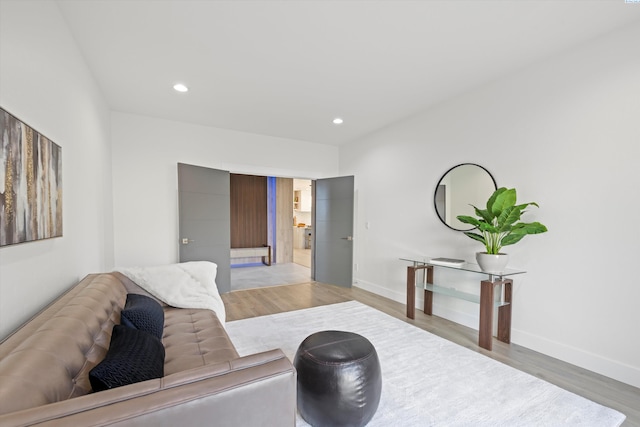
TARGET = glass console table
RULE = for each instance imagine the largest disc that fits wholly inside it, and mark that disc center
(486, 297)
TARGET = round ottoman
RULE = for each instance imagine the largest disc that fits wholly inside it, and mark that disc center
(339, 379)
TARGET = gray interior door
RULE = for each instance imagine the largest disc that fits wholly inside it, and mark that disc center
(205, 219)
(333, 225)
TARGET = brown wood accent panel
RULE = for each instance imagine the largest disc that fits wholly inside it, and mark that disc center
(248, 211)
(284, 220)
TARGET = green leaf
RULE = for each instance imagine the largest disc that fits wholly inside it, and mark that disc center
(484, 214)
(468, 220)
(524, 205)
(493, 197)
(475, 236)
(508, 217)
(488, 228)
(505, 199)
(528, 228)
(510, 239)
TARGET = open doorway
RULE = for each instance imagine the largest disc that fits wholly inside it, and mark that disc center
(286, 211)
(302, 222)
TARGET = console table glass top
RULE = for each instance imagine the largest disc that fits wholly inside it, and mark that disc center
(467, 266)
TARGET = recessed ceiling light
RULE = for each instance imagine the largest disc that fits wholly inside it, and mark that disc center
(338, 121)
(180, 87)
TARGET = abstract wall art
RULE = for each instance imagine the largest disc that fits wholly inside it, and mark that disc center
(30, 183)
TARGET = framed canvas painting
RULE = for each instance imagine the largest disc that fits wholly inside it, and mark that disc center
(30, 183)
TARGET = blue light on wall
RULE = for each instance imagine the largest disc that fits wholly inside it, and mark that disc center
(271, 215)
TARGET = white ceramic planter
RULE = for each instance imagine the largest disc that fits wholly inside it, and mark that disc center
(492, 263)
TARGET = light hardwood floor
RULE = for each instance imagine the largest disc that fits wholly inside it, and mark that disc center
(614, 394)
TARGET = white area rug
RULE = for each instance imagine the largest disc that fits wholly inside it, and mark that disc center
(427, 380)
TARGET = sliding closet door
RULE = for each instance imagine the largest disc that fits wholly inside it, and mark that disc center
(205, 219)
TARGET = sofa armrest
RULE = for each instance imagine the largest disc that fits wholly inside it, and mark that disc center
(254, 390)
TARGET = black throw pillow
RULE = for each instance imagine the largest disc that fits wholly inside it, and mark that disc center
(133, 356)
(144, 313)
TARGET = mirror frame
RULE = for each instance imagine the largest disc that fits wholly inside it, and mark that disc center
(435, 204)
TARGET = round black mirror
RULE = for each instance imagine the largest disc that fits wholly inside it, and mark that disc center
(460, 187)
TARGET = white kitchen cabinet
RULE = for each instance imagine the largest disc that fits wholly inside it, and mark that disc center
(305, 200)
(302, 199)
(298, 237)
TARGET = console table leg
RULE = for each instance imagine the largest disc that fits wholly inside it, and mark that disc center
(485, 330)
(411, 292)
(428, 303)
(504, 313)
(411, 289)
(428, 295)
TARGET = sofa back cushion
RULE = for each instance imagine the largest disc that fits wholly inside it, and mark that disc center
(143, 313)
(52, 363)
(133, 356)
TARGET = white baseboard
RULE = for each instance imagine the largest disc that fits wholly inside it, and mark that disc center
(593, 362)
(576, 356)
(379, 290)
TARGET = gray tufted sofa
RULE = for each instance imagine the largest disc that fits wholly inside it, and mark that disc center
(44, 369)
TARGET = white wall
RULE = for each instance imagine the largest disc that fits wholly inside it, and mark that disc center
(565, 133)
(45, 83)
(145, 179)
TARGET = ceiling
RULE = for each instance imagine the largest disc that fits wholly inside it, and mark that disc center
(287, 68)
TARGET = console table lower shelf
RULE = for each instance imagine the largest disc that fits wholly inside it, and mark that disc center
(485, 299)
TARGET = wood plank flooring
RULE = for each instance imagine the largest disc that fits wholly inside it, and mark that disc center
(606, 391)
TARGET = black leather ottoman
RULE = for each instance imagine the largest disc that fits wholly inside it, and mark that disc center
(339, 379)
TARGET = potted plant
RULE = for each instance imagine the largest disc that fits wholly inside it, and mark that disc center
(499, 225)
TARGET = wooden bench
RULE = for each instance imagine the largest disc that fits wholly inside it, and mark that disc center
(263, 251)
